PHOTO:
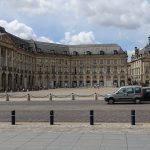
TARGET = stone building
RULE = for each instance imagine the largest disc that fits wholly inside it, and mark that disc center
(29, 64)
(140, 65)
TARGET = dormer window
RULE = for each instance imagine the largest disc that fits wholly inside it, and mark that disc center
(115, 52)
(39, 50)
(101, 52)
(75, 53)
(88, 53)
(22, 45)
(30, 48)
(52, 51)
(65, 52)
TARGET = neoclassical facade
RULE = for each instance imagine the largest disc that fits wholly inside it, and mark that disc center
(29, 64)
(140, 65)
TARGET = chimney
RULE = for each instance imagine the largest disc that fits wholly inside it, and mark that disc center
(136, 52)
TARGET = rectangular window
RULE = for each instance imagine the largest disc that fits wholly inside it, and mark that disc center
(108, 69)
(88, 70)
(115, 61)
(138, 90)
(81, 69)
(115, 69)
(130, 90)
(108, 61)
(101, 69)
(101, 61)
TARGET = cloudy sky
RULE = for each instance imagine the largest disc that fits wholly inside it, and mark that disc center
(125, 22)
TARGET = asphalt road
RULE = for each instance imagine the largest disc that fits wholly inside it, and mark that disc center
(74, 111)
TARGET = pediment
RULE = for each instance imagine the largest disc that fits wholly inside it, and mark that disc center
(6, 39)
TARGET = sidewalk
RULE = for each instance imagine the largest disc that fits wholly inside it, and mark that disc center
(74, 136)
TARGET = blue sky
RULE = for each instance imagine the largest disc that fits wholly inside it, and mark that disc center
(124, 22)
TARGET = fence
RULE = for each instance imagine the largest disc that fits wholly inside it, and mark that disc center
(50, 97)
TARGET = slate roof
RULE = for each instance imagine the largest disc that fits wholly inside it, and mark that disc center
(44, 47)
(145, 50)
(96, 48)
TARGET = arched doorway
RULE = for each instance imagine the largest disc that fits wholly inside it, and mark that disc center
(115, 81)
(29, 82)
(16, 82)
(21, 82)
(74, 84)
(32, 82)
(122, 80)
(9, 81)
(3, 79)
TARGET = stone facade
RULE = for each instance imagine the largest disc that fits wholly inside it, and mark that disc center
(140, 65)
(28, 64)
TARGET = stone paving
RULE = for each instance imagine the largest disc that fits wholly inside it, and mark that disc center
(73, 136)
(42, 136)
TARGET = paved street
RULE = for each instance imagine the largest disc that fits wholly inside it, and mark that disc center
(74, 111)
(76, 137)
(71, 130)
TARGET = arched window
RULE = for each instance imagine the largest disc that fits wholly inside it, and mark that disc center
(52, 51)
(88, 53)
(38, 50)
(115, 52)
(65, 52)
(22, 45)
(75, 53)
(101, 52)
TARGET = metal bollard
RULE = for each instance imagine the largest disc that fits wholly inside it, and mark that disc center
(91, 117)
(13, 117)
(73, 96)
(132, 117)
(7, 97)
(51, 119)
(28, 97)
(95, 96)
(50, 97)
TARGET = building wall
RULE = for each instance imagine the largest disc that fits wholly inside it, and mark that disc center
(20, 69)
(140, 70)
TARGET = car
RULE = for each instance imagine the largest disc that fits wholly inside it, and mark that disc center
(146, 93)
(125, 94)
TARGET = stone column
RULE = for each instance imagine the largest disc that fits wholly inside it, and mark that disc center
(111, 80)
(119, 80)
(6, 63)
(104, 80)
(0, 80)
(0, 57)
(12, 59)
(0, 70)
(12, 81)
(6, 81)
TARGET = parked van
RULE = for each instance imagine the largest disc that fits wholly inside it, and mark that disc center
(146, 93)
(126, 94)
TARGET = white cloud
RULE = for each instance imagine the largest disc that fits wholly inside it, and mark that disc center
(122, 13)
(128, 14)
(130, 53)
(80, 38)
(36, 7)
(21, 30)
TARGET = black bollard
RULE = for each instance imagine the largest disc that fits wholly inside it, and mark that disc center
(13, 120)
(132, 117)
(51, 119)
(91, 117)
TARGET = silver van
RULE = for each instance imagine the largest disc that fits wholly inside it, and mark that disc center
(125, 93)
